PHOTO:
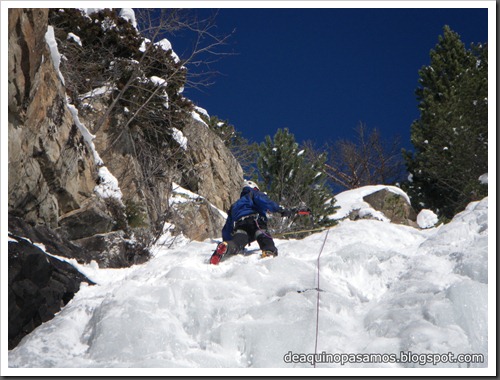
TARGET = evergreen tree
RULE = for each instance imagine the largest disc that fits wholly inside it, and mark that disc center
(293, 180)
(451, 136)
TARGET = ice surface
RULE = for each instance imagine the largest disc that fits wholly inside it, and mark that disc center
(384, 288)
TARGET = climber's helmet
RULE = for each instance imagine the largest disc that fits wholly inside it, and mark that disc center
(250, 184)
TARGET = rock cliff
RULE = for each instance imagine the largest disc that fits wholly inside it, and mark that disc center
(53, 172)
(50, 169)
(58, 195)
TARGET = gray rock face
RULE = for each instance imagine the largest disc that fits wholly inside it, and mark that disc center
(90, 219)
(217, 174)
(50, 169)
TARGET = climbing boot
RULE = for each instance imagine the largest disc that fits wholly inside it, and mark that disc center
(219, 252)
(268, 254)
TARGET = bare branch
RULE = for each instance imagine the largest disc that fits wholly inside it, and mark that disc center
(367, 161)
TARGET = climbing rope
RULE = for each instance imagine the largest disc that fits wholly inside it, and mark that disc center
(298, 232)
(317, 299)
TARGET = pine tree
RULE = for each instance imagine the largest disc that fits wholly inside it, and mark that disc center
(451, 136)
(295, 179)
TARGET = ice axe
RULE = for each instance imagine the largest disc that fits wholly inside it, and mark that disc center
(301, 210)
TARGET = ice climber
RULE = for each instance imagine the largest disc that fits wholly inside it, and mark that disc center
(246, 222)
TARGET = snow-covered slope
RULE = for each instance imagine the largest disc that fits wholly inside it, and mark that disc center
(385, 289)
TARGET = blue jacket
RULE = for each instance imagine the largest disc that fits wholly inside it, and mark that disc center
(251, 202)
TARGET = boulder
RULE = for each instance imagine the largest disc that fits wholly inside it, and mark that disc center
(52, 240)
(394, 206)
(197, 219)
(90, 219)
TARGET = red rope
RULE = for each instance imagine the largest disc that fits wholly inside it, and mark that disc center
(317, 301)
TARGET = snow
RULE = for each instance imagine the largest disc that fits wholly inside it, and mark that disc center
(87, 136)
(56, 60)
(108, 24)
(353, 200)
(89, 11)
(129, 15)
(108, 185)
(180, 138)
(166, 45)
(142, 48)
(158, 81)
(126, 13)
(54, 52)
(202, 111)
(385, 288)
(74, 37)
(161, 82)
(184, 193)
(484, 179)
(102, 90)
(426, 218)
(196, 116)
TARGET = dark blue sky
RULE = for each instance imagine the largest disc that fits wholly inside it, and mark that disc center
(319, 72)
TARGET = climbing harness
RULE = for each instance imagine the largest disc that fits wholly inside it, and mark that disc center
(262, 232)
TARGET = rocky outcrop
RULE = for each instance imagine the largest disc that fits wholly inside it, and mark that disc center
(90, 219)
(213, 173)
(39, 286)
(52, 172)
(197, 219)
(394, 206)
(113, 250)
(53, 242)
(216, 174)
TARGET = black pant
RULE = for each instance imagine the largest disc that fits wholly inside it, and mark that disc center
(248, 230)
